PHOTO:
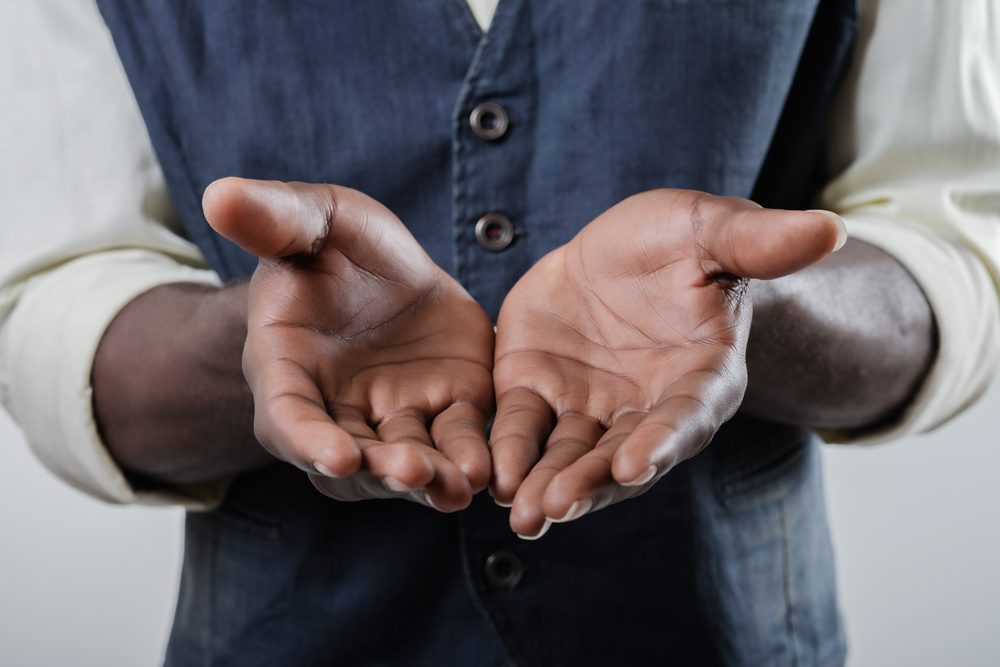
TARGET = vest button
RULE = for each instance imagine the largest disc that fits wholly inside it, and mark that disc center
(494, 232)
(489, 121)
(504, 569)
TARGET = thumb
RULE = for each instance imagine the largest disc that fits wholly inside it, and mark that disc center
(768, 243)
(271, 218)
(277, 219)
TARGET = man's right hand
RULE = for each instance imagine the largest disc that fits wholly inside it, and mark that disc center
(370, 367)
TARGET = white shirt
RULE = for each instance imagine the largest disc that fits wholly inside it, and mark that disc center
(87, 224)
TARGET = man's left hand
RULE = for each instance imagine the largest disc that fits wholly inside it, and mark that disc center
(620, 354)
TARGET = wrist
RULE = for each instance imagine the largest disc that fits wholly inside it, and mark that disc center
(842, 345)
(169, 394)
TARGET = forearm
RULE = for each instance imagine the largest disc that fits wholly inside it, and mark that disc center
(169, 394)
(841, 345)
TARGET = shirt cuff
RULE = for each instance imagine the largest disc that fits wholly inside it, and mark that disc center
(963, 297)
(47, 346)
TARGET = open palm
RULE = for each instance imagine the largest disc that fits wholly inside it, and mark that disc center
(621, 353)
(369, 365)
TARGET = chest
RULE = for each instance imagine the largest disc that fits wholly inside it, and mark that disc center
(601, 100)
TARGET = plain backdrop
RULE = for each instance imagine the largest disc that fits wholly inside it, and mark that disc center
(915, 526)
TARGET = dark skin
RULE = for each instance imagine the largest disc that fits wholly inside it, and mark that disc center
(841, 344)
(805, 365)
(621, 353)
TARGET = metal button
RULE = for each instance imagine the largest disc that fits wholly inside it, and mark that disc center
(489, 121)
(504, 569)
(494, 231)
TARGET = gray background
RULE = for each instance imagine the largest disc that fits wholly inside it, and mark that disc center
(915, 528)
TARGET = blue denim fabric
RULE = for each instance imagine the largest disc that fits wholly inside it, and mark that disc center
(727, 560)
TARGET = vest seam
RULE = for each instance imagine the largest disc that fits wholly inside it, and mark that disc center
(789, 592)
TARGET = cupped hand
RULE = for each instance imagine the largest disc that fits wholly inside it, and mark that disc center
(370, 367)
(621, 353)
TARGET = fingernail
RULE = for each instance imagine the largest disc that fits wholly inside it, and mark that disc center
(841, 227)
(545, 529)
(643, 478)
(576, 510)
(322, 469)
(489, 489)
(394, 484)
(427, 499)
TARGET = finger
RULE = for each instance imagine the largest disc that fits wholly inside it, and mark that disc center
(400, 467)
(381, 483)
(297, 430)
(450, 489)
(673, 431)
(460, 434)
(301, 434)
(366, 485)
(277, 219)
(573, 436)
(405, 426)
(420, 473)
(362, 485)
(290, 421)
(409, 427)
(522, 423)
(766, 243)
(408, 467)
(398, 470)
(352, 419)
(446, 492)
(583, 486)
(271, 218)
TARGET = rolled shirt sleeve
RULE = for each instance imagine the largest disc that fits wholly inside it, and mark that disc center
(48, 344)
(916, 142)
(87, 226)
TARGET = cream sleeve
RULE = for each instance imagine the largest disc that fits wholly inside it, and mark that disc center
(916, 143)
(86, 227)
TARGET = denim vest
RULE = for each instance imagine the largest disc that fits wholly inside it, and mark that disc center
(727, 560)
